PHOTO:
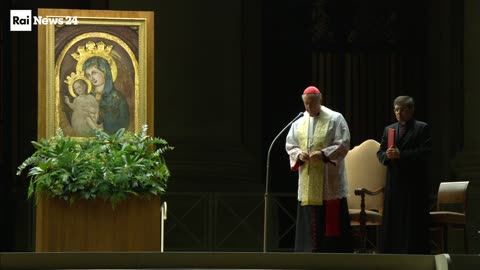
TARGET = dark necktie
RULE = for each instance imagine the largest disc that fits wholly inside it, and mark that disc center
(402, 131)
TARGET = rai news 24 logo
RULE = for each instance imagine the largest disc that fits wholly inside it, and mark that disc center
(22, 20)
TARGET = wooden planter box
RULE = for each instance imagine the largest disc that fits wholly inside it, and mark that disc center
(134, 225)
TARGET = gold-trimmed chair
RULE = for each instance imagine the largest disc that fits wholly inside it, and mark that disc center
(450, 212)
(366, 176)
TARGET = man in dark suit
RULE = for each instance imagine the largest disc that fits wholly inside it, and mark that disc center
(406, 209)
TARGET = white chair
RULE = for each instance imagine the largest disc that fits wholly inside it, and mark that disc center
(366, 176)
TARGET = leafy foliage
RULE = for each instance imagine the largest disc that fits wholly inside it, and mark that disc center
(111, 167)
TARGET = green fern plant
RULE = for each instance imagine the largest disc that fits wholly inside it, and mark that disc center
(111, 167)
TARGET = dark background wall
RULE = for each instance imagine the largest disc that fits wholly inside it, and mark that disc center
(228, 78)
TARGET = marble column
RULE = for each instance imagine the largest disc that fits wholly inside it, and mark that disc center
(466, 164)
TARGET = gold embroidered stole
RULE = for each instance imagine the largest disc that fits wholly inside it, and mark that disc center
(312, 174)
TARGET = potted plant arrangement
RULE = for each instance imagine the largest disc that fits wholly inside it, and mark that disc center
(106, 182)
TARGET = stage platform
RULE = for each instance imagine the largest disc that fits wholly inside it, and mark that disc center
(229, 260)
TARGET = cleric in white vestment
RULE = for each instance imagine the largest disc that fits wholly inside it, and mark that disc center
(317, 144)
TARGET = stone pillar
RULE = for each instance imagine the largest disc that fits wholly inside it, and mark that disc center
(471, 74)
(466, 164)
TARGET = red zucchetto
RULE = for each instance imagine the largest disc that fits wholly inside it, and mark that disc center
(311, 90)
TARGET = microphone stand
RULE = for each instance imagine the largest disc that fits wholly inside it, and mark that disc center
(265, 223)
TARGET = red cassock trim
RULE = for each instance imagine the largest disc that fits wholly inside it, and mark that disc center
(295, 167)
(332, 217)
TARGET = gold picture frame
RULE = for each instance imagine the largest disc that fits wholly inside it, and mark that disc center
(95, 70)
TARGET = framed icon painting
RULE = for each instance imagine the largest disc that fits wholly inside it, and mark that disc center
(95, 71)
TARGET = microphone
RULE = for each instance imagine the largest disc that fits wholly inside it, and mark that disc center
(265, 223)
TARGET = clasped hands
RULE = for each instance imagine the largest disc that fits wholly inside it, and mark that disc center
(313, 156)
(393, 153)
